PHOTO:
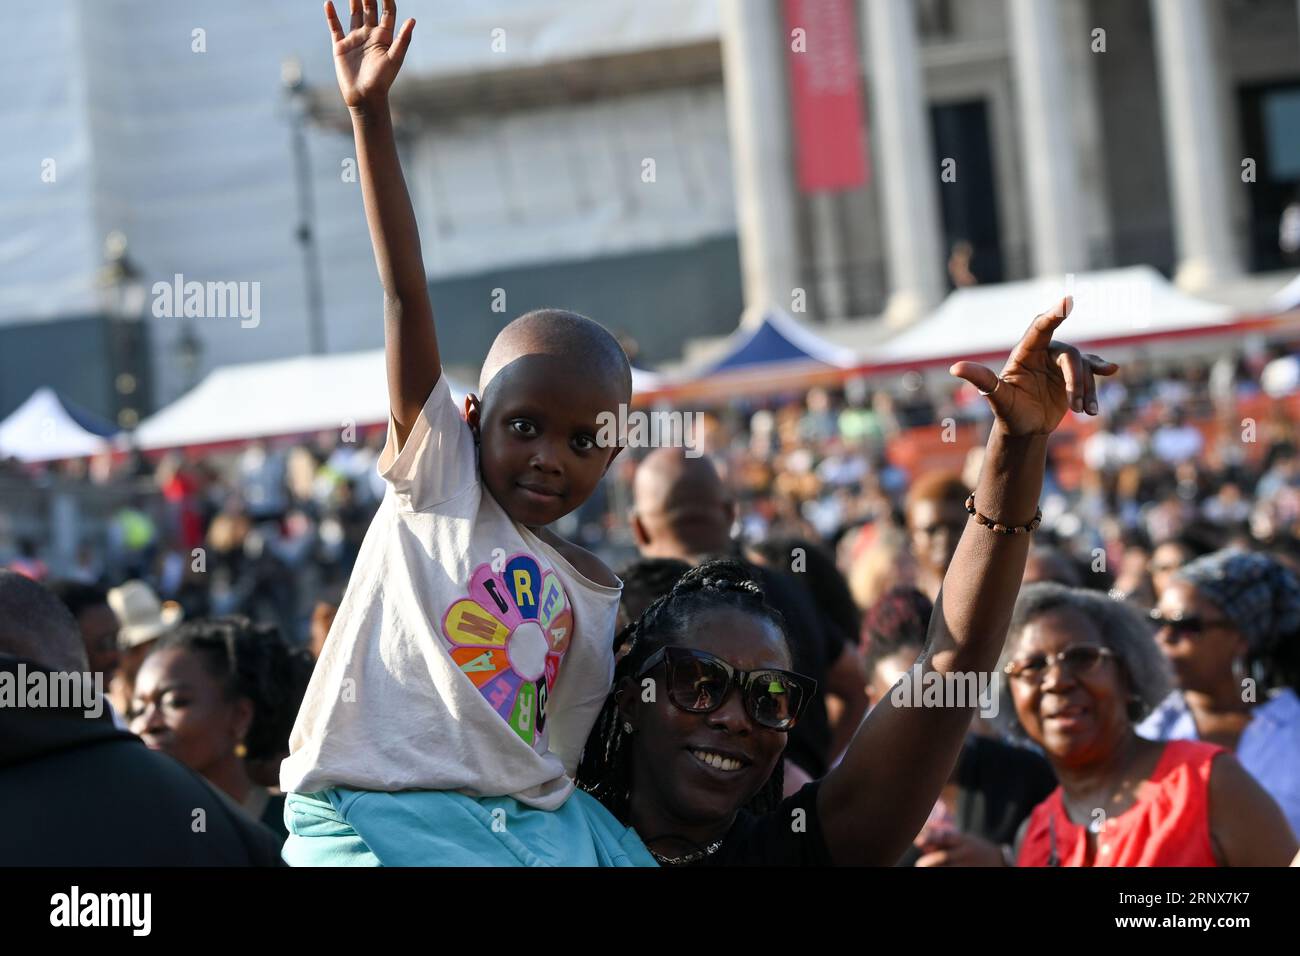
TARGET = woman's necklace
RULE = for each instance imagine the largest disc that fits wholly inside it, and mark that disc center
(687, 858)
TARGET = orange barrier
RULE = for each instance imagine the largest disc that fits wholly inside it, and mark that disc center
(924, 448)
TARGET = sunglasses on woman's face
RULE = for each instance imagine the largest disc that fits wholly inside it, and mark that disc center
(1191, 624)
(1077, 660)
(699, 683)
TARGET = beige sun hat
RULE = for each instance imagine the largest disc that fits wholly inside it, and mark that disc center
(141, 615)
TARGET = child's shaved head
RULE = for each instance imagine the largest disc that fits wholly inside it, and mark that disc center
(549, 380)
(563, 334)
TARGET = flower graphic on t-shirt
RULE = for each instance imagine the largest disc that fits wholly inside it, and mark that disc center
(508, 635)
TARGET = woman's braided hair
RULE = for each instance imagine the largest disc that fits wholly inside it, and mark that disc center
(606, 767)
(253, 661)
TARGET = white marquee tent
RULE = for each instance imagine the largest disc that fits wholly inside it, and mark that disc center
(267, 399)
(45, 428)
(1132, 304)
(1287, 297)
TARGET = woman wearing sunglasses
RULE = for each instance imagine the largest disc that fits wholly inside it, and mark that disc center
(1229, 625)
(1081, 670)
(688, 746)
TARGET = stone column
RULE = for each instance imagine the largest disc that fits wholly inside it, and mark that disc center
(1057, 232)
(758, 124)
(908, 170)
(1193, 121)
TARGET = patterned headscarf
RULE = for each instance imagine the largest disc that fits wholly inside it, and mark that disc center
(1259, 594)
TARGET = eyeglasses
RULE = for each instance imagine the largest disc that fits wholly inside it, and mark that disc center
(700, 683)
(1076, 660)
(1192, 624)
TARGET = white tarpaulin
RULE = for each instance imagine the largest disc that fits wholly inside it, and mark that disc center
(169, 122)
(1112, 305)
(284, 397)
(463, 36)
(1288, 297)
(44, 429)
(643, 380)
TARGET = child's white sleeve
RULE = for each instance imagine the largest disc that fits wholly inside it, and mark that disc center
(439, 459)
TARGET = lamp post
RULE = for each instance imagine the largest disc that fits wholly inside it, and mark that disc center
(189, 354)
(297, 95)
(122, 295)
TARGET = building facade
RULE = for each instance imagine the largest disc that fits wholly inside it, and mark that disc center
(633, 161)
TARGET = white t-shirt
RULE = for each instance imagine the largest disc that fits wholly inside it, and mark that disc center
(467, 654)
(1175, 445)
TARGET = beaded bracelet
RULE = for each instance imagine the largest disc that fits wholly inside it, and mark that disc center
(999, 528)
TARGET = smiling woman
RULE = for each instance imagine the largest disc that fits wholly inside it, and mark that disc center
(1082, 670)
(655, 758)
(218, 695)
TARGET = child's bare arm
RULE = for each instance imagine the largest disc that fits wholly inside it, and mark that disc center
(366, 61)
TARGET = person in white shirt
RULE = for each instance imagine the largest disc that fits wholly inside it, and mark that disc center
(473, 647)
(1175, 441)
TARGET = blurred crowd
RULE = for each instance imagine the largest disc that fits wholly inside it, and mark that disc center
(1203, 453)
(265, 531)
(1177, 514)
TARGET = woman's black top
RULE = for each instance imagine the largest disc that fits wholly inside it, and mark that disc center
(998, 786)
(790, 835)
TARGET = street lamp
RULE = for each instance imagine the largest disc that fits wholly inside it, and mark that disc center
(298, 97)
(122, 294)
(189, 355)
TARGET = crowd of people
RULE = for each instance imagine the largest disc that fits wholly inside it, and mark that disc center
(1206, 448)
(1158, 516)
(1189, 596)
(268, 531)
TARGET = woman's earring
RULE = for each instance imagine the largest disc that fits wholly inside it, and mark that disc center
(240, 750)
(627, 727)
(1238, 668)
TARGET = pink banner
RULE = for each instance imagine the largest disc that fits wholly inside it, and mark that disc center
(826, 94)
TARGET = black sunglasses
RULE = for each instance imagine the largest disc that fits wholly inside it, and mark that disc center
(1188, 624)
(699, 683)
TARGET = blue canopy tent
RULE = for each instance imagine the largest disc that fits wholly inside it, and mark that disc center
(778, 340)
(772, 353)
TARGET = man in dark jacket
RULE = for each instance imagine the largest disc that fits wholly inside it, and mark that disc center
(80, 792)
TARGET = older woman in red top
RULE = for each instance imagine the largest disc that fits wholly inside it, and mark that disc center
(1082, 670)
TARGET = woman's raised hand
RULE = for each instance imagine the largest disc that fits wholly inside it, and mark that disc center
(1041, 379)
(367, 58)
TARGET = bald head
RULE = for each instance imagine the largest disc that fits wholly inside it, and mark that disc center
(562, 335)
(681, 509)
(35, 625)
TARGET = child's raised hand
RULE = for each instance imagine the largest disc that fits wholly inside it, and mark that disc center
(1041, 380)
(368, 57)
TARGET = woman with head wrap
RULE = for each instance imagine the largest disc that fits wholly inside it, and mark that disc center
(1229, 625)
